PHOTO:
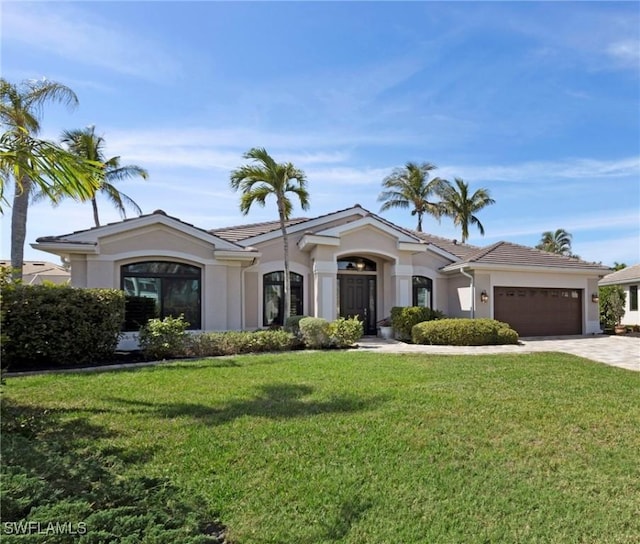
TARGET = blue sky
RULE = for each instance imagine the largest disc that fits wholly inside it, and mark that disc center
(538, 102)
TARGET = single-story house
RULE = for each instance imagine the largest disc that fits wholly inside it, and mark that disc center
(38, 272)
(629, 279)
(345, 263)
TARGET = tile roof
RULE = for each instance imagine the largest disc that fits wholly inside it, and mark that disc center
(241, 232)
(507, 253)
(626, 275)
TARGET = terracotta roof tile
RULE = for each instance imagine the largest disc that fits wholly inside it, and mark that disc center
(626, 275)
(507, 253)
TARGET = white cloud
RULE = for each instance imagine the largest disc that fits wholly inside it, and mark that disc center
(71, 33)
(625, 52)
(574, 168)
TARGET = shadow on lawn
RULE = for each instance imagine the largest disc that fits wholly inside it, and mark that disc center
(52, 471)
(276, 401)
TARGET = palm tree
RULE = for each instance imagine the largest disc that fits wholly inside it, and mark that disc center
(264, 178)
(556, 242)
(87, 144)
(408, 187)
(461, 207)
(30, 161)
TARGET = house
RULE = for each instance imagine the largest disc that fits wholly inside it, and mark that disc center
(344, 263)
(38, 272)
(629, 279)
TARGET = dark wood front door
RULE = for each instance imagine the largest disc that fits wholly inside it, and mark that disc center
(358, 298)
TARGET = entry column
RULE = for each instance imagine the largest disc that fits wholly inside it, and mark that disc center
(325, 275)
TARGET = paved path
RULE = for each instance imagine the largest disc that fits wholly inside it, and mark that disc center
(621, 351)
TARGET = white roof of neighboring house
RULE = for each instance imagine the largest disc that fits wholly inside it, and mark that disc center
(630, 274)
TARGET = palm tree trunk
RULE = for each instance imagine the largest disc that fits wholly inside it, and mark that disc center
(419, 229)
(287, 276)
(94, 204)
(19, 226)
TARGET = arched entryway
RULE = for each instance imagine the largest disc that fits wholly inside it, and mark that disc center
(357, 290)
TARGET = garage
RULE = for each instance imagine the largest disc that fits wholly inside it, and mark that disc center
(539, 311)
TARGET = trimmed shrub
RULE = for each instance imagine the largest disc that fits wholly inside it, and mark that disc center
(138, 311)
(58, 325)
(211, 344)
(403, 318)
(345, 332)
(164, 338)
(315, 332)
(292, 324)
(464, 332)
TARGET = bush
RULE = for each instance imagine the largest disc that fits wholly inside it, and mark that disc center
(292, 324)
(403, 318)
(345, 332)
(315, 332)
(54, 325)
(464, 332)
(211, 344)
(164, 338)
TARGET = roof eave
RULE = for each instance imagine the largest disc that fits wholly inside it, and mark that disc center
(455, 267)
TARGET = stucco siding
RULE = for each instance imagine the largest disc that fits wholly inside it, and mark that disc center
(631, 317)
(158, 239)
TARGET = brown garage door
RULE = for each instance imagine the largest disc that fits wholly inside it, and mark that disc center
(539, 312)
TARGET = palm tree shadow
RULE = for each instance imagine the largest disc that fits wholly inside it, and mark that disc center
(275, 401)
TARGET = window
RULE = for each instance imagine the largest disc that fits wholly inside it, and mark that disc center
(273, 292)
(175, 287)
(633, 298)
(423, 292)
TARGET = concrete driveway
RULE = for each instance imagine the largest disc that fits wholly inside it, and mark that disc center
(622, 351)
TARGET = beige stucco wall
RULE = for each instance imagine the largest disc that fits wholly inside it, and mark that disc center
(630, 317)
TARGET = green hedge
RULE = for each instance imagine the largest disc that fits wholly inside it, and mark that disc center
(52, 326)
(403, 319)
(211, 344)
(464, 332)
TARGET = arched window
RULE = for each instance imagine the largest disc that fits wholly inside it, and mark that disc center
(175, 287)
(356, 264)
(273, 292)
(423, 292)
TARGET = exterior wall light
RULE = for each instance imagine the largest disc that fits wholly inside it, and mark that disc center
(484, 298)
(595, 298)
(360, 266)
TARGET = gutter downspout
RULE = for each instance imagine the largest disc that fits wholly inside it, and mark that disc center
(473, 292)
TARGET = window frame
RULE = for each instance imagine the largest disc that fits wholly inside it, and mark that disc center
(633, 298)
(161, 281)
(415, 287)
(271, 279)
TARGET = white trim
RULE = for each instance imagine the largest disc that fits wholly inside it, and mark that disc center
(312, 240)
(225, 255)
(116, 258)
(454, 268)
(66, 248)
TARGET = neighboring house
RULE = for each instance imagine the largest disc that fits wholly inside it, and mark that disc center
(349, 262)
(37, 272)
(629, 279)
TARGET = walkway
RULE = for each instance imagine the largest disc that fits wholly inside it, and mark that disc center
(622, 351)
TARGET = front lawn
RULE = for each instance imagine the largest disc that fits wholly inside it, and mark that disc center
(331, 447)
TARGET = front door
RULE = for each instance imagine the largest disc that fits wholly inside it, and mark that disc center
(358, 298)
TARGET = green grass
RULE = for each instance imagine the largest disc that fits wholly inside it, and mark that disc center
(356, 447)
